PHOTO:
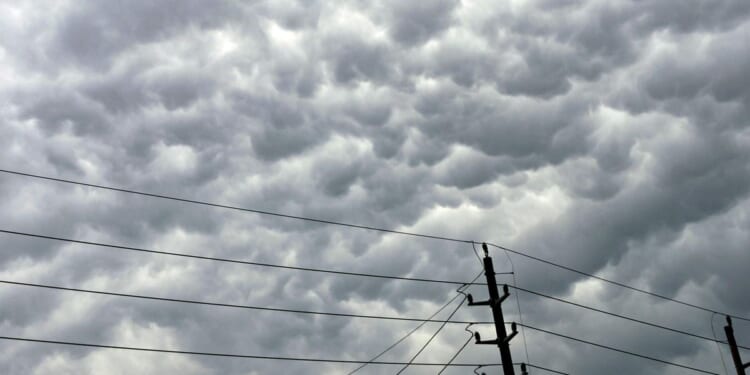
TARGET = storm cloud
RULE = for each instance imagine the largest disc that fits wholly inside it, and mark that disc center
(609, 136)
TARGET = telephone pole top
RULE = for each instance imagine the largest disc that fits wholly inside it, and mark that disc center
(729, 331)
(495, 303)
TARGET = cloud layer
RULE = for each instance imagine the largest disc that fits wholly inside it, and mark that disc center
(610, 136)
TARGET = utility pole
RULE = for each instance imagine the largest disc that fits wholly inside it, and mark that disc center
(729, 331)
(495, 302)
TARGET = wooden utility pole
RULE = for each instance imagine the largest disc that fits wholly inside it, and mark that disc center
(495, 302)
(729, 331)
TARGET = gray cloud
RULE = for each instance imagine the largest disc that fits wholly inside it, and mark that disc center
(416, 23)
(608, 136)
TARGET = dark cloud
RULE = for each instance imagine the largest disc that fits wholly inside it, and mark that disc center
(416, 23)
(353, 59)
(608, 136)
(92, 33)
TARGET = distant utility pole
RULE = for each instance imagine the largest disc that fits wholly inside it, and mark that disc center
(733, 347)
(495, 301)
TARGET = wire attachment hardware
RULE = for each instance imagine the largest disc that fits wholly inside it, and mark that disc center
(513, 333)
(480, 303)
(489, 302)
(504, 341)
(478, 340)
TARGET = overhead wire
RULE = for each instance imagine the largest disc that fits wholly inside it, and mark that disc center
(461, 349)
(617, 283)
(231, 355)
(362, 363)
(372, 361)
(386, 231)
(546, 369)
(404, 337)
(331, 222)
(643, 356)
(460, 290)
(328, 271)
(620, 316)
(251, 356)
(357, 226)
(518, 364)
(249, 307)
(226, 260)
(474, 247)
(518, 304)
(235, 208)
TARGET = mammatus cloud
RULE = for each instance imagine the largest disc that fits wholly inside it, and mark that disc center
(608, 136)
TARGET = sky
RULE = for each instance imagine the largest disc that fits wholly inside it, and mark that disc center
(611, 137)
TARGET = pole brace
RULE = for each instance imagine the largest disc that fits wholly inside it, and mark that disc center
(478, 340)
(505, 341)
(512, 334)
(472, 303)
(505, 295)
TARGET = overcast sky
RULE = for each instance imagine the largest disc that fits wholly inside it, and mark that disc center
(608, 136)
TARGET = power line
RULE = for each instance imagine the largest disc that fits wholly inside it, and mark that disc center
(363, 363)
(246, 356)
(357, 226)
(546, 369)
(322, 221)
(518, 305)
(252, 356)
(328, 271)
(619, 350)
(415, 329)
(249, 307)
(308, 269)
(421, 349)
(619, 315)
(617, 283)
(236, 208)
(439, 328)
(226, 260)
(468, 340)
(527, 364)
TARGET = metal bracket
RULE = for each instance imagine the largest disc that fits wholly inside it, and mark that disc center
(489, 302)
(506, 294)
(472, 303)
(512, 334)
(506, 340)
(478, 340)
